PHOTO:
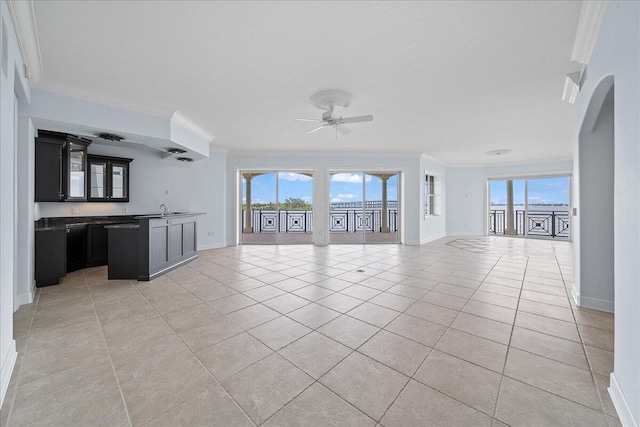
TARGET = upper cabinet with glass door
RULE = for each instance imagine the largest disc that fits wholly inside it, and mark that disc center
(108, 179)
(61, 164)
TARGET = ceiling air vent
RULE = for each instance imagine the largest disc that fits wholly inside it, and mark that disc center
(185, 159)
(109, 136)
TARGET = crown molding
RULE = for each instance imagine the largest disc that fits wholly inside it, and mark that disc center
(274, 153)
(591, 16)
(185, 122)
(433, 159)
(24, 21)
(72, 91)
(511, 163)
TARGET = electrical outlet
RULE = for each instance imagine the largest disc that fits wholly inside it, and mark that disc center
(125, 210)
(212, 233)
(74, 210)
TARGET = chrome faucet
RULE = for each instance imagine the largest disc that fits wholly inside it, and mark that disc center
(164, 209)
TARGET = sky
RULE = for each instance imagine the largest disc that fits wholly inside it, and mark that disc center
(343, 187)
(541, 191)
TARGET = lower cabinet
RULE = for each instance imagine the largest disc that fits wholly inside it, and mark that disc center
(166, 243)
(97, 245)
(59, 251)
(50, 256)
(76, 247)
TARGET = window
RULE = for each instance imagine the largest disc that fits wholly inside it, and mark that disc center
(431, 195)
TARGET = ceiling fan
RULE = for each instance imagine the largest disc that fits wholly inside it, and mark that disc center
(334, 103)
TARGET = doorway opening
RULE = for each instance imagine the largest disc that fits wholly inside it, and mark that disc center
(276, 207)
(363, 207)
(532, 207)
(595, 244)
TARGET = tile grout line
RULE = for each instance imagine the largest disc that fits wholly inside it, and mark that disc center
(113, 368)
(192, 354)
(19, 373)
(506, 356)
(584, 349)
(420, 366)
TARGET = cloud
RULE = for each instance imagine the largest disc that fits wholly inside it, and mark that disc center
(534, 197)
(292, 176)
(306, 199)
(556, 184)
(342, 198)
(352, 178)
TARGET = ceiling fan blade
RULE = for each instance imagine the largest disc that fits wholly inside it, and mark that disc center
(308, 120)
(343, 129)
(357, 119)
(318, 128)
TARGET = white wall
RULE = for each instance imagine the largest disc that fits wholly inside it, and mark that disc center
(12, 86)
(412, 204)
(194, 187)
(595, 247)
(25, 285)
(617, 53)
(433, 227)
(466, 191)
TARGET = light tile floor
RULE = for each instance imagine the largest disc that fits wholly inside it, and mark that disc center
(457, 332)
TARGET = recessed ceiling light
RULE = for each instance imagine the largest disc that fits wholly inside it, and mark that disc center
(498, 152)
(176, 151)
(185, 159)
(109, 136)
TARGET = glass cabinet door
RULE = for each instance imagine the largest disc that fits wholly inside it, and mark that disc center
(98, 179)
(119, 187)
(77, 165)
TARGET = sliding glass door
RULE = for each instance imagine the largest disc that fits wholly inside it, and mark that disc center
(277, 207)
(363, 207)
(535, 207)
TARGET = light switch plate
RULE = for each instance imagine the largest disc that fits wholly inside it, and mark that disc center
(74, 210)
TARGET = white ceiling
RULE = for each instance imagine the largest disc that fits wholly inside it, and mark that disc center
(451, 79)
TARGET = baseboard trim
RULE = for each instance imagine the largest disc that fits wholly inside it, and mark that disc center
(211, 246)
(463, 234)
(575, 294)
(432, 238)
(622, 406)
(25, 298)
(596, 304)
(7, 369)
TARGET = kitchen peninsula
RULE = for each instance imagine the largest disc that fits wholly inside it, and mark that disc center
(165, 242)
(134, 247)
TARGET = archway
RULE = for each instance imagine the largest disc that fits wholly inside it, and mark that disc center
(594, 247)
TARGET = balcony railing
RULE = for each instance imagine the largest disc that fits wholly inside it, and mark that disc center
(537, 223)
(340, 221)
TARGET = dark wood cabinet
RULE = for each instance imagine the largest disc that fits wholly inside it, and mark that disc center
(97, 245)
(108, 179)
(76, 247)
(50, 256)
(166, 243)
(61, 165)
(124, 243)
(48, 170)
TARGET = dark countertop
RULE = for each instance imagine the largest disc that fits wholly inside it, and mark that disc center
(57, 223)
(125, 226)
(168, 215)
